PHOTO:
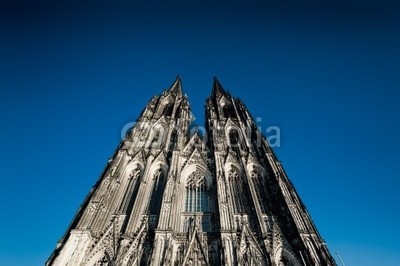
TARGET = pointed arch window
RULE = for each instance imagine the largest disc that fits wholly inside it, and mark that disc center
(259, 185)
(238, 192)
(168, 109)
(157, 193)
(197, 203)
(132, 190)
(197, 195)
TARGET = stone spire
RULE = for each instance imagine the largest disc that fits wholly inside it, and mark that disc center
(168, 198)
(217, 90)
(176, 88)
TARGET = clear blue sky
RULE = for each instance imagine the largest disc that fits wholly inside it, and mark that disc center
(73, 73)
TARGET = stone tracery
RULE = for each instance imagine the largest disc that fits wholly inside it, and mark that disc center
(169, 198)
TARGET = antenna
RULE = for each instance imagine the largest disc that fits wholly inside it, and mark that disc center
(341, 261)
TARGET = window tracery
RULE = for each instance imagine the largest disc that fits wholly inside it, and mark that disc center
(259, 185)
(197, 196)
(197, 204)
(237, 187)
(157, 193)
(135, 173)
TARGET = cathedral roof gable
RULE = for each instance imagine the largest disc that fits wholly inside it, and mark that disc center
(195, 241)
(161, 121)
(248, 243)
(231, 159)
(196, 158)
(139, 157)
(161, 158)
(230, 123)
(195, 141)
(252, 160)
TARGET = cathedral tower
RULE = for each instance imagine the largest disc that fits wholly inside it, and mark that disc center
(174, 196)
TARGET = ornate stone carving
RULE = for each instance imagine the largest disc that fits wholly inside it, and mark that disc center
(171, 198)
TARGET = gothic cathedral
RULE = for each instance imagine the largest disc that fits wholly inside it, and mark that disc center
(175, 196)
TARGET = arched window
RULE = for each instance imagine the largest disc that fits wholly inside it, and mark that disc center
(197, 196)
(259, 186)
(197, 203)
(132, 190)
(235, 139)
(135, 173)
(157, 193)
(238, 192)
(169, 109)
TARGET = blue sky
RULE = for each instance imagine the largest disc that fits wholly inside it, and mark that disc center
(73, 73)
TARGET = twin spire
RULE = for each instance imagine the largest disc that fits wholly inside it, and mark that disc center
(216, 92)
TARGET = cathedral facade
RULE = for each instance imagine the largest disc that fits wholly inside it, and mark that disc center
(175, 196)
